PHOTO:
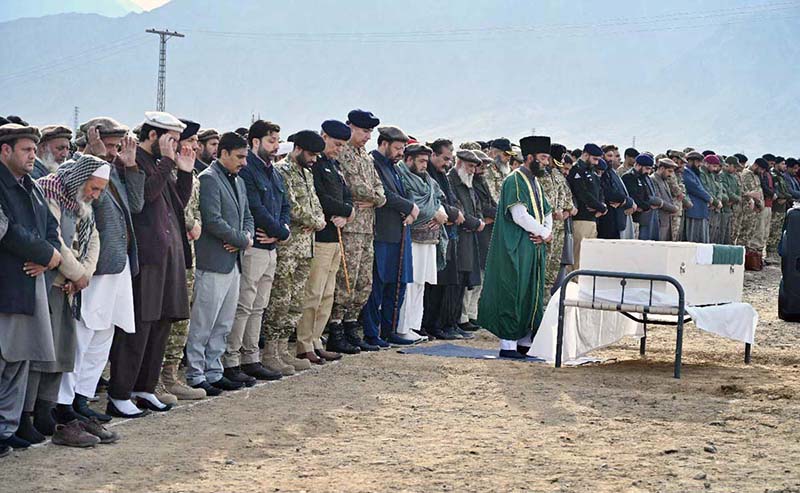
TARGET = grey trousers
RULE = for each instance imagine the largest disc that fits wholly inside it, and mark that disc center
(13, 381)
(41, 386)
(213, 309)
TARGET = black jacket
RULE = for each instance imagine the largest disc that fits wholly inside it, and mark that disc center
(334, 196)
(637, 186)
(586, 189)
(448, 275)
(468, 254)
(31, 237)
(389, 218)
(489, 210)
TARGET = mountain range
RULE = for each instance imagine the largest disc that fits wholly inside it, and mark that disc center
(712, 74)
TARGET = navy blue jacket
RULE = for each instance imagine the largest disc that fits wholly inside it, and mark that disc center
(31, 237)
(793, 184)
(266, 195)
(585, 186)
(389, 218)
(333, 194)
(697, 194)
(610, 225)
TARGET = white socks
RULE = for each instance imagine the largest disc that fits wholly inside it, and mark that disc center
(151, 398)
(126, 406)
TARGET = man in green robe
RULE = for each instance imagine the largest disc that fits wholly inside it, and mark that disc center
(512, 302)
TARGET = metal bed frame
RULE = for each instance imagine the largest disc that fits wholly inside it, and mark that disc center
(678, 310)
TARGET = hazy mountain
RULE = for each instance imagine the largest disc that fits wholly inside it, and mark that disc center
(713, 74)
(15, 9)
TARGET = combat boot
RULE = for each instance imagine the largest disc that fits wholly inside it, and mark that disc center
(169, 377)
(351, 332)
(163, 395)
(337, 342)
(283, 354)
(271, 361)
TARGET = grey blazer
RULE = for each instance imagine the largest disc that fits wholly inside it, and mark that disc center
(114, 221)
(225, 220)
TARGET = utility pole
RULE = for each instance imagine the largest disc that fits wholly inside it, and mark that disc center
(634, 142)
(161, 96)
(75, 113)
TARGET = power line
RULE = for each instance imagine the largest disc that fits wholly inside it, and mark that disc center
(161, 92)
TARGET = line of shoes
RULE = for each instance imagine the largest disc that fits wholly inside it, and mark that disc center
(74, 425)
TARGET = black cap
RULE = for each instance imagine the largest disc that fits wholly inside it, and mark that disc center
(363, 119)
(534, 144)
(308, 140)
(593, 150)
(336, 129)
(191, 129)
(501, 144)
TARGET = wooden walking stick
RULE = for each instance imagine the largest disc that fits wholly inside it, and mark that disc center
(399, 279)
(344, 261)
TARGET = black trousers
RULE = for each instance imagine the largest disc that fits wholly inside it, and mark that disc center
(442, 303)
(136, 358)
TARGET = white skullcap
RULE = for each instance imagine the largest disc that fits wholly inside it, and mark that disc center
(103, 172)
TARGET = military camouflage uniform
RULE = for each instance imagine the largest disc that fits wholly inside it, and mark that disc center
(678, 189)
(734, 196)
(714, 189)
(366, 186)
(294, 257)
(778, 211)
(738, 211)
(494, 177)
(179, 331)
(558, 194)
(749, 235)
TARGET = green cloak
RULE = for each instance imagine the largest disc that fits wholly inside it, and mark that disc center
(512, 300)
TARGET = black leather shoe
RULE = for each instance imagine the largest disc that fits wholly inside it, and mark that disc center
(259, 372)
(27, 431)
(351, 332)
(81, 406)
(149, 406)
(4, 450)
(463, 333)
(235, 374)
(338, 342)
(228, 385)
(468, 326)
(511, 354)
(15, 442)
(112, 410)
(211, 391)
(523, 350)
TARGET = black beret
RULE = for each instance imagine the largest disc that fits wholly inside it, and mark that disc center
(557, 150)
(768, 157)
(709, 153)
(741, 157)
(762, 163)
(593, 150)
(363, 119)
(241, 131)
(501, 144)
(416, 149)
(645, 160)
(336, 129)
(534, 144)
(191, 129)
(484, 145)
(308, 140)
(631, 152)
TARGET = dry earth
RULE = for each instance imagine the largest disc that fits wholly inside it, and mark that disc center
(392, 422)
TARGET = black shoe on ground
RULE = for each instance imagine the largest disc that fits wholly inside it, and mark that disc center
(102, 386)
(435, 333)
(235, 374)
(259, 372)
(227, 385)
(474, 322)
(337, 341)
(15, 442)
(468, 327)
(511, 354)
(4, 450)
(523, 350)
(27, 431)
(43, 417)
(211, 391)
(112, 410)
(81, 406)
(64, 413)
(351, 332)
(149, 406)
(463, 333)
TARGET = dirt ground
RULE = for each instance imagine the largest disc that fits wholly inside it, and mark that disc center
(393, 422)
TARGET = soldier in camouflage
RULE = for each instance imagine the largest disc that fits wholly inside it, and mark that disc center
(728, 178)
(556, 190)
(708, 169)
(499, 150)
(170, 387)
(752, 205)
(779, 205)
(294, 257)
(678, 190)
(738, 209)
(367, 191)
